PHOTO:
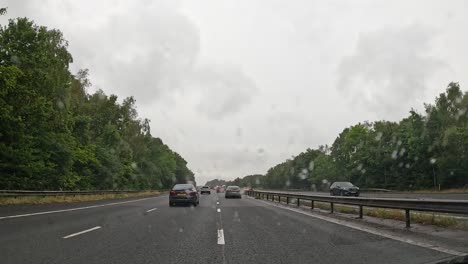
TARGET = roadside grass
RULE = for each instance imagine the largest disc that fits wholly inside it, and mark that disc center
(439, 220)
(69, 198)
(457, 190)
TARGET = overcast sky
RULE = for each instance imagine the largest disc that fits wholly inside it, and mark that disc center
(238, 86)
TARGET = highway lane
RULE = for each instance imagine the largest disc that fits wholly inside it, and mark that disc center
(149, 231)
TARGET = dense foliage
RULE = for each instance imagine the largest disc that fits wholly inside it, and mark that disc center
(421, 151)
(54, 135)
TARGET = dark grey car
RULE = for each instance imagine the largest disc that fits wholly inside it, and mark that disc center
(232, 192)
(184, 194)
(344, 189)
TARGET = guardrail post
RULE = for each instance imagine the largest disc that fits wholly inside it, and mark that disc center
(279, 199)
(312, 204)
(298, 202)
(360, 211)
(407, 218)
(331, 208)
(287, 199)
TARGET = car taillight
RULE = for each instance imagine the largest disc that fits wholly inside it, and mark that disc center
(193, 193)
(172, 193)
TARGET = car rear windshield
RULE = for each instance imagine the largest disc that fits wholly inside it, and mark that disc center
(179, 187)
(345, 184)
(233, 188)
(205, 187)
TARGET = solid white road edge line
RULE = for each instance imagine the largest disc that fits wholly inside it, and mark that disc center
(371, 231)
(151, 210)
(82, 232)
(74, 209)
(219, 210)
(220, 237)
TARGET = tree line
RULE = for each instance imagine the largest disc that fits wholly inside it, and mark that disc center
(421, 151)
(55, 135)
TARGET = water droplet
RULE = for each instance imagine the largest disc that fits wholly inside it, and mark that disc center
(15, 60)
(378, 137)
(288, 183)
(433, 160)
(395, 154)
(359, 167)
(134, 165)
(60, 104)
(407, 165)
(311, 165)
(399, 143)
(181, 230)
(402, 151)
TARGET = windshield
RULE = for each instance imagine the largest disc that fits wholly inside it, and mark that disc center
(233, 131)
(179, 187)
(345, 184)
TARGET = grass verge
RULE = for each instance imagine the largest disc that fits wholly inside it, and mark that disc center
(458, 190)
(69, 198)
(439, 220)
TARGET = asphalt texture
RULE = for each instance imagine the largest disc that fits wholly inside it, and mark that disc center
(149, 231)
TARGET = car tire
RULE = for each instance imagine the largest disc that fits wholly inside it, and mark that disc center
(198, 202)
(356, 195)
(171, 204)
(195, 204)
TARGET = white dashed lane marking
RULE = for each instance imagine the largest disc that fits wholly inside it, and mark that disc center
(151, 210)
(82, 232)
(220, 237)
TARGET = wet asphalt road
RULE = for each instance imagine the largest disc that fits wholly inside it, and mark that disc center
(219, 230)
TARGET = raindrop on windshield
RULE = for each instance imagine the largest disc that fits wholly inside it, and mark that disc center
(378, 137)
(311, 165)
(402, 151)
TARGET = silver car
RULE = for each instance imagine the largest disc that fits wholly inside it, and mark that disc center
(233, 192)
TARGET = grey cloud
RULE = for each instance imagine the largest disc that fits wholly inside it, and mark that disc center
(146, 55)
(225, 90)
(389, 68)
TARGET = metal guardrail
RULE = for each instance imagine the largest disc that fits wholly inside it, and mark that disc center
(432, 205)
(19, 193)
